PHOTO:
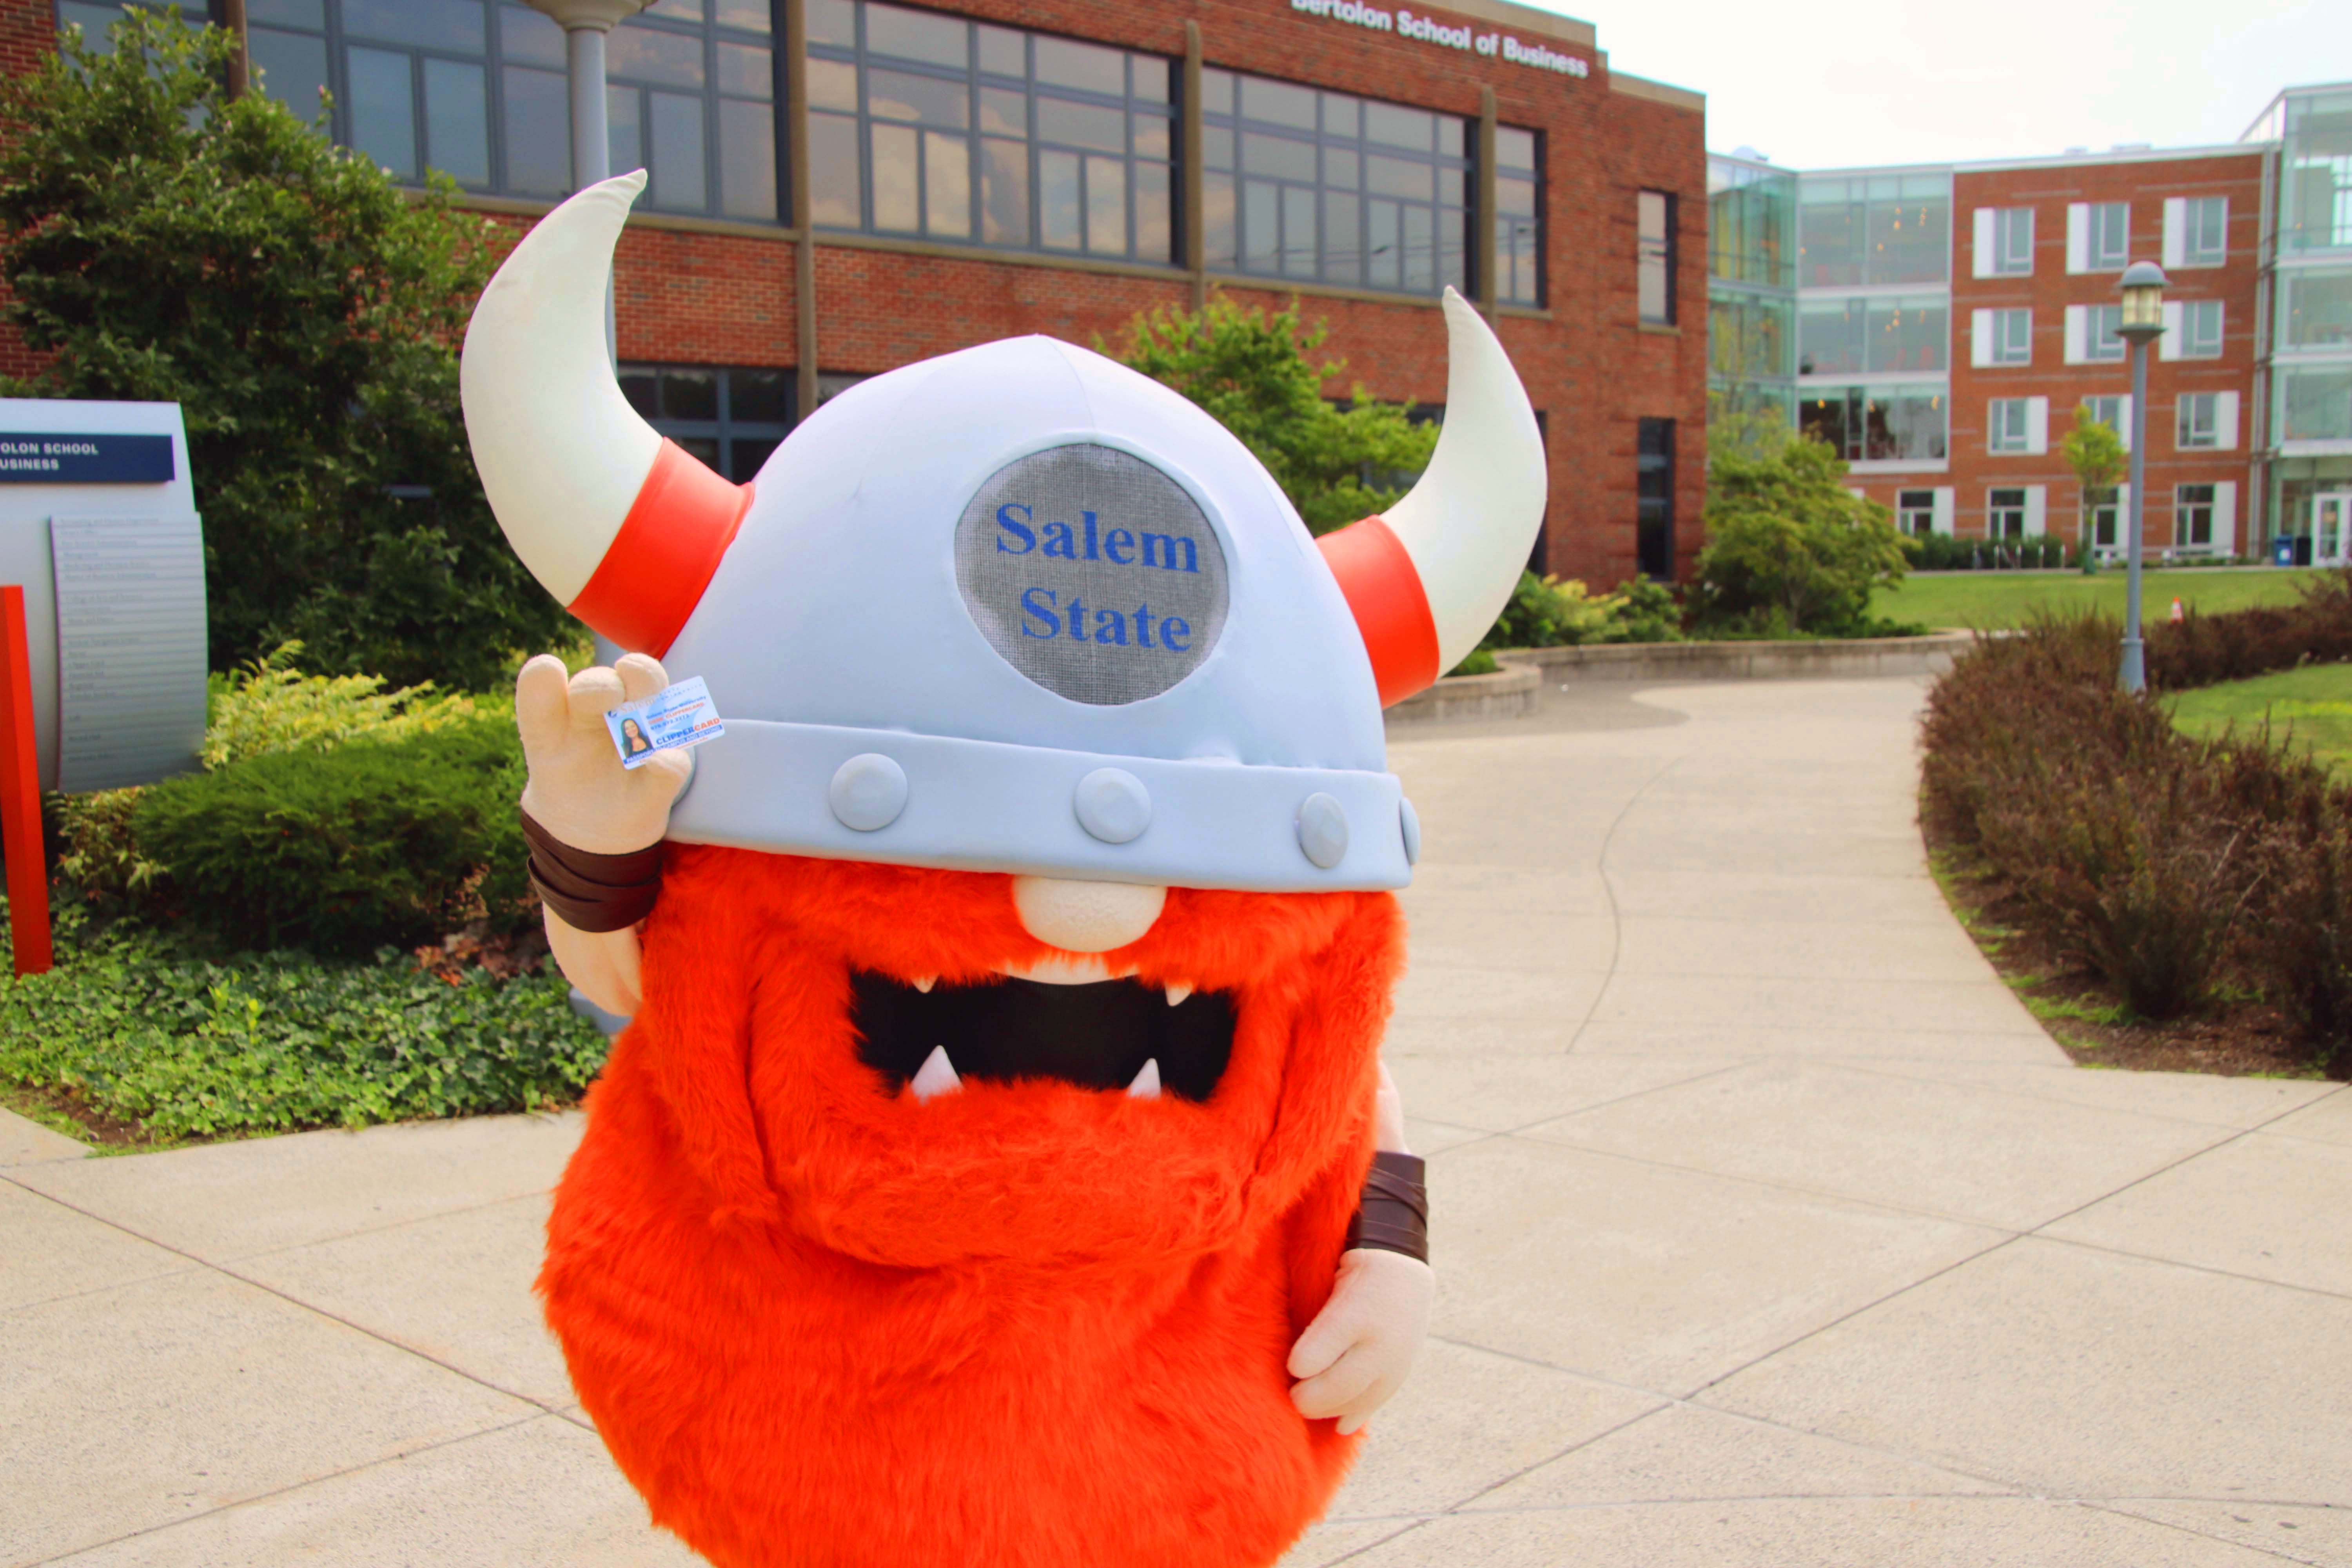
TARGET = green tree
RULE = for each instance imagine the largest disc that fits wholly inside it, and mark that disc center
(2095, 453)
(1253, 373)
(1789, 550)
(162, 242)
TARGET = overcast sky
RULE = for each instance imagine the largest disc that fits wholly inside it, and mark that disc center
(1906, 82)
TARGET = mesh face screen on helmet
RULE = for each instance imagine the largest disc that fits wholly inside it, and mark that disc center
(1092, 572)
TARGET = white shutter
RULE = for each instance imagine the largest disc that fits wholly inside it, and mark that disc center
(2225, 420)
(2176, 230)
(1982, 261)
(1857, 492)
(1942, 523)
(2078, 236)
(2037, 426)
(2124, 413)
(2036, 513)
(2225, 516)
(1980, 329)
(2078, 327)
(2168, 345)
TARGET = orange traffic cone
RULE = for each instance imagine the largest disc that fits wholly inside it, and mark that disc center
(2178, 613)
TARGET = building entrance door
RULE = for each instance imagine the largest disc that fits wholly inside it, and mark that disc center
(2331, 529)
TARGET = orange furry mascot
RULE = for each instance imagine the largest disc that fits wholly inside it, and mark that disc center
(988, 1173)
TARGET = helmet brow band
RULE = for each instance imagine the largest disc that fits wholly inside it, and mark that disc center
(655, 571)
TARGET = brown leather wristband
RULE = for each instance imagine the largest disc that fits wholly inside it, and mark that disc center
(592, 892)
(1393, 1213)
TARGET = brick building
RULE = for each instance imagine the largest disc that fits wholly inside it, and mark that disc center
(1008, 166)
(1941, 325)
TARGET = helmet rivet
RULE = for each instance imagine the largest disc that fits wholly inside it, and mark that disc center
(1113, 806)
(869, 791)
(1409, 820)
(1323, 830)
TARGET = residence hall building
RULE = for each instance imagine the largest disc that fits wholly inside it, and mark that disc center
(985, 168)
(1940, 325)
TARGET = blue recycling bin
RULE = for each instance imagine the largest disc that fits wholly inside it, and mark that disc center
(2283, 550)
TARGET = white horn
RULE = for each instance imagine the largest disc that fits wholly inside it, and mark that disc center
(1471, 521)
(577, 481)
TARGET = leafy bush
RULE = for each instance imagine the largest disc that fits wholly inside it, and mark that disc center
(144, 1032)
(2201, 650)
(372, 843)
(1943, 552)
(1546, 612)
(160, 241)
(1789, 551)
(266, 705)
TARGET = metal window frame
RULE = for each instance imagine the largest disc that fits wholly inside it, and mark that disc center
(1646, 463)
(2020, 351)
(2194, 344)
(2100, 259)
(726, 429)
(972, 78)
(710, 33)
(2193, 253)
(2196, 415)
(1908, 511)
(2005, 223)
(1540, 176)
(1362, 146)
(2006, 411)
(2095, 336)
(1996, 510)
(1666, 255)
(2189, 511)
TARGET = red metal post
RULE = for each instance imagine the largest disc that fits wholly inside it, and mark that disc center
(20, 793)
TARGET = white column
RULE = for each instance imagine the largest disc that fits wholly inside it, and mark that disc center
(584, 24)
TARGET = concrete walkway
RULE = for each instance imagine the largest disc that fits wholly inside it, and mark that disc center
(1772, 1232)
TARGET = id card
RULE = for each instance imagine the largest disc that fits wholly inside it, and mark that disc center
(671, 719)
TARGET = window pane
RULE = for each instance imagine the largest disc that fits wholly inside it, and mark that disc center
(704, 450)
(290, 69)
(1384, 252)
(894, 179)
(746, 160)
(752, 15)
(746, 70)
(678, 178)
(759, 397)
(1004, 111)
(2319, 311)
(1420, 249)
(525, 37)
(1058, 200)
(832, 22)
(1281, 156)
(1299, 231)
(1277, 102)
(2318, 405)
(918, 36)
(750, 452)
(1216, 147)
(1090, 66)
(947, 185)
(681, 10)
(384, 113)
(95, 23)
(1004, 51)
(1514, 148)
(689, 395)
(456, 121)
(1218, 242)
(1517, 197)
(1342, 116)
(1343, 244)
(1261, 226)
(1452, 249)
(1449, 136)
(1216, 91)
(832, 171)
(1154, 235)
(1151, 135)
(1081, 125)
(654, 54)
(454, 24)
(928, 99)
(1152, 78)
(1004, 192)
(625, 137)
(1400, 177)
(833, 84)
(1906, 335)
(1397, 127)
(1106, 205)
(1342, 169)
(294, 13)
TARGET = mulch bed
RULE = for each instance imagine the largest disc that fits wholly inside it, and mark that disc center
(2233, 1038)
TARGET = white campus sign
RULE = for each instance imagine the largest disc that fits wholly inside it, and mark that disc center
(1430, 30)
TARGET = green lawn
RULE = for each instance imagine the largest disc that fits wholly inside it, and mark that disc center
(2310, 707)
(1990, 599)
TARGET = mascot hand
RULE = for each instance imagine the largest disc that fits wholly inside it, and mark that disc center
(580, 792)
(1361, 1345)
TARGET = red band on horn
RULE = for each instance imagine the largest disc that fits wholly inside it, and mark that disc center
(655, 571)
(1383, 588)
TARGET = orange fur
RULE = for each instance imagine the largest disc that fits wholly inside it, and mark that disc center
(1025, 1325)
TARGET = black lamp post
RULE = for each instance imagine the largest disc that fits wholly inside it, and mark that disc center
(2143, 324)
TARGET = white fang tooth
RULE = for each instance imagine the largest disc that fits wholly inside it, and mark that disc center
(1147, 1083)
(937, 1076)
(1176, 994)
(926, 982)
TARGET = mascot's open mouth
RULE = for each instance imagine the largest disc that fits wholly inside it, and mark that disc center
(1113, 1033)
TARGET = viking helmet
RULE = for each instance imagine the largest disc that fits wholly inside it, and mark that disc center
(1016, 608)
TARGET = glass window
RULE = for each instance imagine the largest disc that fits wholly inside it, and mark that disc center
(926, 125)
(2315, 403)
(1843, 337)
(2200, 329)
(2315, 173)
(1874, 229)
(1519, 214)
(2005, 514)
(2109, 412)
(1878, 424)
(1749, 337)
(2005, 427)
(2103, 336)
(2106, 516)
(2317, 308)
(731, 418)
(2012, 241)
(2206, 242)
(2198, 423)
(2110, 242)
(2192, 517)
(1654, 477)
(1751, 224)
(2013, 337)
(1832, 336)
(1655, 253)
(1914, 511)
(1340, 189)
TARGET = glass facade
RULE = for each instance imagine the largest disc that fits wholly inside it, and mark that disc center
(932, 126)
(1877, 335)
(1878, 424)
(1752, 287)
(1751, 224)
(2315, 307)
(1874, 229)
(1749, 337)
(2314, 402)
(2314, 209)
(1299, 182)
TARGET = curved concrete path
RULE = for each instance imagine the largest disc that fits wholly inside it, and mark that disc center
(1771, 1231)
